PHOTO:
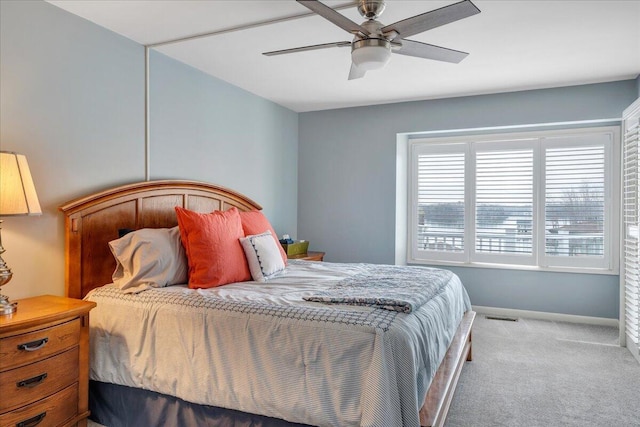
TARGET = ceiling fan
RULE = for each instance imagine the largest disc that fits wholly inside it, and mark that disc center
(374, 42)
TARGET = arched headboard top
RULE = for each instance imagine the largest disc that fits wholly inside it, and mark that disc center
(137, 189)
(92, 221)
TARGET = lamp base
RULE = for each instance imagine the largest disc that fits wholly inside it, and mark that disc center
(7, 307)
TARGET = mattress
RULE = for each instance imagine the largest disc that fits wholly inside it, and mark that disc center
(262, 348)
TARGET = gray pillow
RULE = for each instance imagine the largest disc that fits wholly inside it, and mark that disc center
(149, 258)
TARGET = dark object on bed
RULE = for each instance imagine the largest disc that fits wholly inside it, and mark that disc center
(92, 221)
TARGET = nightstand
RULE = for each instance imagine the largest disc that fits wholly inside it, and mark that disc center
(309, 256)
(44, 363)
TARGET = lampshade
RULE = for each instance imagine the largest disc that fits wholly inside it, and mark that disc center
(17, 197)
(17, 192)
(370, 54)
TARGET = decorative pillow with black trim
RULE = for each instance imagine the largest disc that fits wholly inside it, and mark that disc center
(263, 256)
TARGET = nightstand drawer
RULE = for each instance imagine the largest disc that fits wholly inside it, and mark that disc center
(27, 384)
(21, 349)
(52, 411)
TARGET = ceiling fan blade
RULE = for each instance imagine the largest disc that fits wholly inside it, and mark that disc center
(435, 18)
(355, 72)
(304, 48)
(429, 51)
(335, 17)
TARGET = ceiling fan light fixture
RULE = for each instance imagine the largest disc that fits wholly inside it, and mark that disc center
(371, 54)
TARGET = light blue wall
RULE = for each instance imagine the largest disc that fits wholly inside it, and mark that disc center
(205, 129)
(72, 101)
(347, 189)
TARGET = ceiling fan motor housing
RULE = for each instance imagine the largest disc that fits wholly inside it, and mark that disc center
(372, 52)
(371, 9)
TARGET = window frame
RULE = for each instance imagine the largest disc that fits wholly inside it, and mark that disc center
(539, 260)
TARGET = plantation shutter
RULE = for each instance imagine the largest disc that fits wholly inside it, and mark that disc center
(504, 201)
(440, 209)
(546, 198)
(631, 205)
(574, 201)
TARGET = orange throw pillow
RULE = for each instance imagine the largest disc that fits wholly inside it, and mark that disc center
(213, 248)
(254, 222)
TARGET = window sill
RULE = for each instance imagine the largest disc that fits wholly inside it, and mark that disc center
(574, 270)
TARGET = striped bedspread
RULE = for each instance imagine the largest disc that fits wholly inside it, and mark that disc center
(261, 348)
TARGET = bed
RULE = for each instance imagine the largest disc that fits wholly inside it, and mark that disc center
(334, 364)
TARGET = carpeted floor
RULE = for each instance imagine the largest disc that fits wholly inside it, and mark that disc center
(541, 373)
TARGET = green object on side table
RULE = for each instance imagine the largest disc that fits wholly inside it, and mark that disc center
(296, 248)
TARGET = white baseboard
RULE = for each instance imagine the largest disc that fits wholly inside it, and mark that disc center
(542, 315)
(633, 348)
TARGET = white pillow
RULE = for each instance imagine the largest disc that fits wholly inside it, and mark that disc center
(149, 257)
(262, 255)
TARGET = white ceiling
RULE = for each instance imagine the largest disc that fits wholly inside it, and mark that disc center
(513, 45)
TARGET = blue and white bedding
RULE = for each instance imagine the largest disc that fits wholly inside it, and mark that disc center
(261, 348)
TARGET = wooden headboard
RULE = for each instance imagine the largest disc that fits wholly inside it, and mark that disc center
(91, 222)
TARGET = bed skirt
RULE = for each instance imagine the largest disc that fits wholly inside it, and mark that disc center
(120, 406)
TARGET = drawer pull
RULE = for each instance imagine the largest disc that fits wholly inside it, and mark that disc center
(32, 382)
(34, 421)
(33, 345)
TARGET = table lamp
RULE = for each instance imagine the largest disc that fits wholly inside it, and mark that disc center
(17, 197)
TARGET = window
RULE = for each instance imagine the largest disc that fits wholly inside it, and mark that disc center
(535, 199)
